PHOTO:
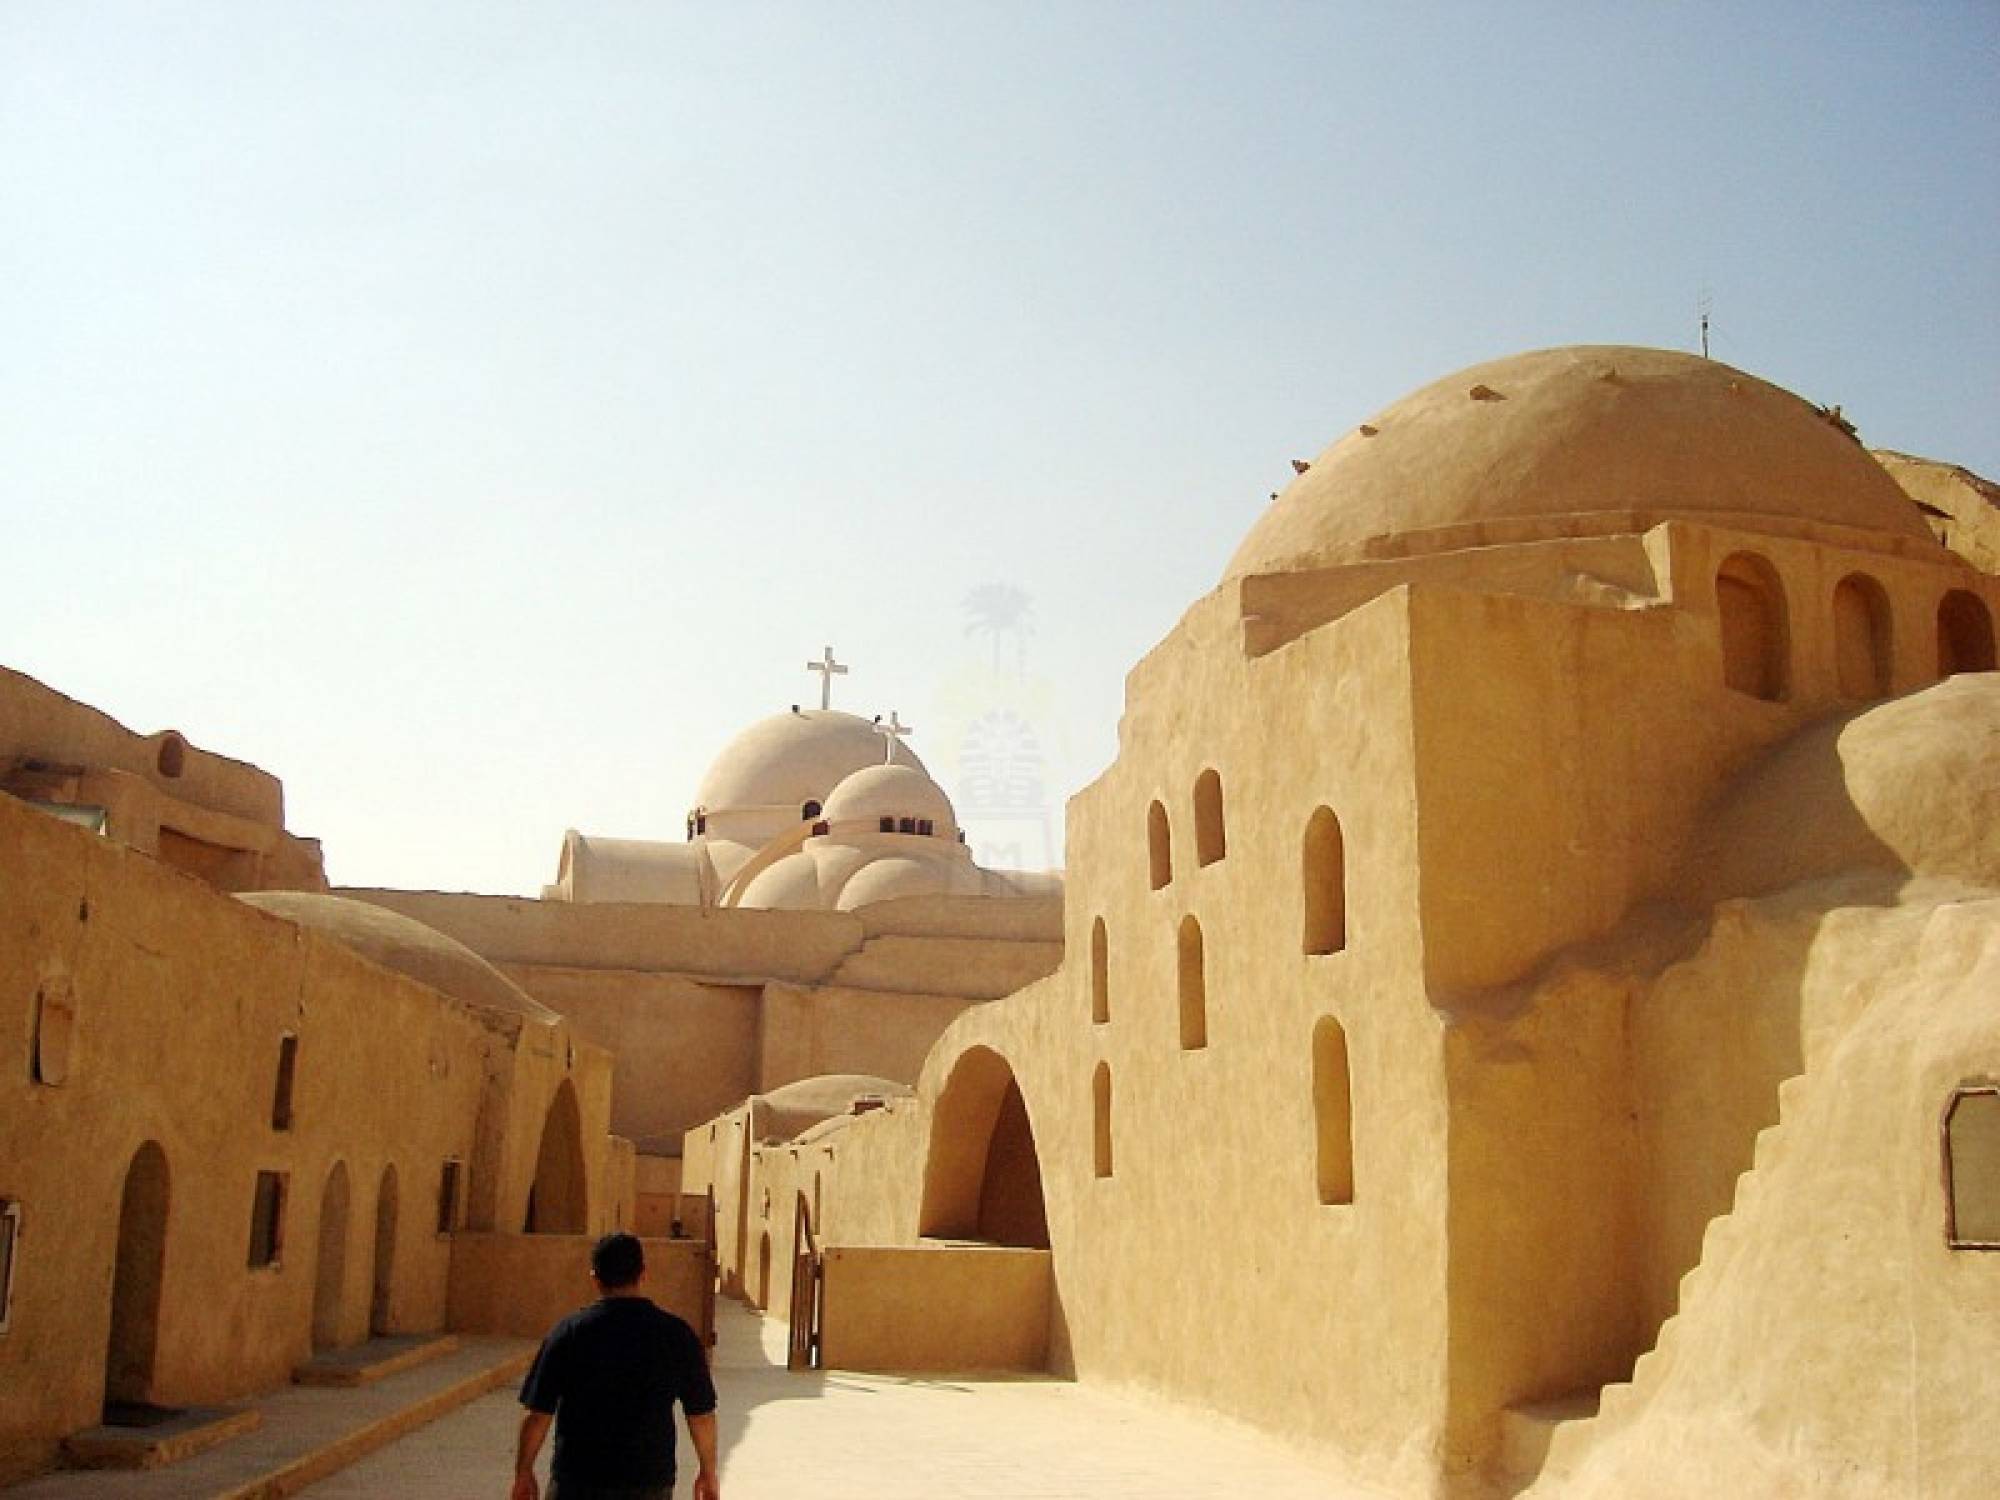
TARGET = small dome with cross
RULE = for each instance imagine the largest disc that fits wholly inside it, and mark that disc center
(897, 791)
(794, 758)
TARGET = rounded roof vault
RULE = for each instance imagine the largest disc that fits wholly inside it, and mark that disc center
(1481, 456)
(792, 758)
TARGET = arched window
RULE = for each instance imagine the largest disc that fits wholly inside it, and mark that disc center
(1100, 1100)
(1756, 640)
(1333, 1112)
(1323, 874)
(1100, 973)
(1159, 846)
(1193, 986)
(1862, 644)
(809, 811)
(1210, 840)
(172, 759)
(1964, 633)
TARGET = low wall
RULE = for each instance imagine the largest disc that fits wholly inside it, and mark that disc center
(935, 1307)
(523, 1284)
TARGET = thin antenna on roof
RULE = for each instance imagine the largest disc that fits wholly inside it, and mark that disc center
(1702, 306)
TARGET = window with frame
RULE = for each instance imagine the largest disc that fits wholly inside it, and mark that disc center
(267, 1220)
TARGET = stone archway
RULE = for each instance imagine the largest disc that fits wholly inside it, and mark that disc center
(983, 1173)
(137, 1275)
(381, 1300)
(558, 1202)
(330, 1277)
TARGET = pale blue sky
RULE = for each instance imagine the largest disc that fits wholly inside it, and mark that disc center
(475, 412)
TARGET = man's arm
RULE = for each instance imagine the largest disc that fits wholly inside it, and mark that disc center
(708, 1483)
(534, 1428)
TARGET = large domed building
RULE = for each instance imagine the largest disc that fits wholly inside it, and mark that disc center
(814, 809)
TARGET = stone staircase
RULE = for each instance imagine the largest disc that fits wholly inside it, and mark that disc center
(1544, 1440)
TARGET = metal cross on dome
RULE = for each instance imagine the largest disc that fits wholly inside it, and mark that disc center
(891, 732)
(828, 669)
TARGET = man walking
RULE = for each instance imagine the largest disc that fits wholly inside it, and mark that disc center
(608, 1377)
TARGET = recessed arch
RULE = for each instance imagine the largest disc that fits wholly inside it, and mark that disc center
(1323, 880)
(1964, 634)
(1333, 1112)
(1211, 838)
(1100, 973)
(138, 1273)
(1192, 966)
(1100, 1111)
(1159, 846)
(381, 1297)
(1756, 632)
(330, 1274)
(982, 1173)
(1863, 638)
(558, 1202)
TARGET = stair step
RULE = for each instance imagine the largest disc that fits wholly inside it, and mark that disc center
(1526, 1430)
(364, 1364)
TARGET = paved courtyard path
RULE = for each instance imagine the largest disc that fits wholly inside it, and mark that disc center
(838, 1436)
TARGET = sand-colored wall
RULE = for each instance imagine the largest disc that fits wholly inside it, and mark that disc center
(523, 1284)
(180, 996)
(935, 1308)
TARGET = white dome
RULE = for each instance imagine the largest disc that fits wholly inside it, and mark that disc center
(890, 792)
(791, 759)
(892, 878)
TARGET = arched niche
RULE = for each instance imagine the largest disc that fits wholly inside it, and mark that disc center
(558, 1202)
(383, 1283)
(1100, 1114)
(1192, 967)
(1323, 882)
(330, 1272)
(1333, 1112)
(1756, 632)
(1964, 634)
(1100, 973)
(138, 1274)
(1159, 847)
(1863, 638)
(983, 1173)
(1211, 839)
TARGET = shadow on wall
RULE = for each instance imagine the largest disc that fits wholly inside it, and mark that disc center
(982, 1174)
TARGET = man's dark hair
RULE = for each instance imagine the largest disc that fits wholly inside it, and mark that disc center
(616, 1261)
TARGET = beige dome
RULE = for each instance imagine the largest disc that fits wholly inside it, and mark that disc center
(406, 946)
(1912, 785)
(784, 1112)
(892, 878)
(790, 759)
(1502, 451)
(890, 792)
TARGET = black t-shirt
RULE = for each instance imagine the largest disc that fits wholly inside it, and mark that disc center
(611, 1374)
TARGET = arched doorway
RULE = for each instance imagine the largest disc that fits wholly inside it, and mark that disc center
(135, 1282)
(1964, 634)
(983, 1176)
(385, 1252)
(557, 1203)
(331, 1276)
(1756, 635)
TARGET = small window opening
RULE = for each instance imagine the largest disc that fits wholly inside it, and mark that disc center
(926, 827)
(1100, 973)
(1862, 645)
(10, 1239)
(267, 1219)
(1210, 841)
(449, 1196)
(906, 825)
(1100, 1099)
(1756, 643)
(1323, 873)
(281, 1097)
(1159, 846)
(172, 759)
(888, 825)
(1193, 986)
(1972, 1168)
(820, 830)
(1333, 1112)
(700, 821)
(55, 1030)
(1964, 634)
(810, 811)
